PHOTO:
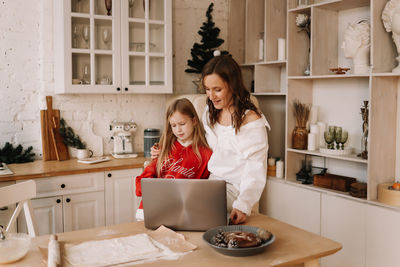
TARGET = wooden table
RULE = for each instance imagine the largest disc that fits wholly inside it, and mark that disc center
(292, 246)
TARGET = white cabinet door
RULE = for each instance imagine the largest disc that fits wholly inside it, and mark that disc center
(121, 201)
(48, 215)
(343, 220)
(383, 237)
(82, 211)
(146, 49)
(292, 204)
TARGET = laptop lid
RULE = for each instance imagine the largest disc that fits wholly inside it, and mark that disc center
(184, 204)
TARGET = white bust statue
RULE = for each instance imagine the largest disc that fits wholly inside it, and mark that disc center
(357, 44)
(391, 21)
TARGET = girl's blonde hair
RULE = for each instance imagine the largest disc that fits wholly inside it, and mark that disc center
(167, 140)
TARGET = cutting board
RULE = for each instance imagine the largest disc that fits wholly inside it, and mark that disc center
(51, 147)
(61, 148)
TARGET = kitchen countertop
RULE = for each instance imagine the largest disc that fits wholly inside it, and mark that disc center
(42, 169)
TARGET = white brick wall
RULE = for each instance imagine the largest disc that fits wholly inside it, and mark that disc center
(26, 75)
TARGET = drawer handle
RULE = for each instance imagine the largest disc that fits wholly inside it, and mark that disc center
(68, 200)
(58, 201)
(109, 175)
(118, 89)
(3, 208)
(126, 89)
(62, 185)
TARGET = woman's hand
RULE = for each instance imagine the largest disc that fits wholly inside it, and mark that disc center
(237, 217)
(155, 151)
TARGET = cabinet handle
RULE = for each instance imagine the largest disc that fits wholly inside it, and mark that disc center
(3, 208)
(126, 89)
(68, 200)
(58, 201)
(118, 89)
(109, 175)
(62, 185)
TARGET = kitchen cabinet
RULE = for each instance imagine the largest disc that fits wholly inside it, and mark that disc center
(383, 235)
(68, 203)
(290, 204)
(120, 197)
(344, 221)
(124, 49)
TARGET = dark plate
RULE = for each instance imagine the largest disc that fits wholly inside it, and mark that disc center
(236, 252)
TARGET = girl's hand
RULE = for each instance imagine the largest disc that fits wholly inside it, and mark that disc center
(237, 217)
(155, 151)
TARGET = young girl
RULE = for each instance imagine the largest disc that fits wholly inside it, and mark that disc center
(184, 152)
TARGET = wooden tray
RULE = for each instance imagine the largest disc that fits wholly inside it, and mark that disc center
(335, 182)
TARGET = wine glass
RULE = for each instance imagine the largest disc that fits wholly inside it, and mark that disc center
(106, 36)
(343, 140)
(338, 137)
(131, 2)
(86, 74)
(86, 34)
(76, 34)
(108, 4)
(329, 138)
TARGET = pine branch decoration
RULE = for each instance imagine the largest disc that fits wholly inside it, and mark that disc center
(9, 154)
(203, 52)
(69, 137)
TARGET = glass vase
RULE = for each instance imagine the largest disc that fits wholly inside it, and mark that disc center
(299, 138)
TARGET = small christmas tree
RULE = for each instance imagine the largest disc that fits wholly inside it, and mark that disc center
(202, 53)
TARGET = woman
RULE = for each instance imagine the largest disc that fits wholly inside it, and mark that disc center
(236, 132)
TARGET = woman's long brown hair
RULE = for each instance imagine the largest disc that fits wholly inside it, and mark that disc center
(229, 71)
(167, 140)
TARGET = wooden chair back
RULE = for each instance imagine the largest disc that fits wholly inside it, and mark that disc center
(20, 194)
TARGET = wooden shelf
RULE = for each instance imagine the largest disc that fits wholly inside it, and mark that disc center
(331, 76)
(351, 157)
(269, 94)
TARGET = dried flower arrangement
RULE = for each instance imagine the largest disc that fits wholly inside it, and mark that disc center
(303, 21)
(301, 113)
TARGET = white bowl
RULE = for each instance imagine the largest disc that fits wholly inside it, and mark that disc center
(14, 247)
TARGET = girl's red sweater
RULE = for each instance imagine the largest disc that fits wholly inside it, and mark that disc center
(182, 163)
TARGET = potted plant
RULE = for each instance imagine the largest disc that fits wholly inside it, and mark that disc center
(301, 113)
(73, 140)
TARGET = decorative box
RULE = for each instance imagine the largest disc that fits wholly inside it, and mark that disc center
(333, 181)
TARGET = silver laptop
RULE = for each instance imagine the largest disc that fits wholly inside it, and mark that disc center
(184, 204)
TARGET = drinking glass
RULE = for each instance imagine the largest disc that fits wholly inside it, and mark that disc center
(108, 4)
(329, 138)
(343, 140)
(131, 8)
(86, 74)
(86, 34)
(106, 36)
(338, 137)
(76, 34)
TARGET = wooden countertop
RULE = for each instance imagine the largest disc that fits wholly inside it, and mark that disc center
(41, 169)
(292, 246)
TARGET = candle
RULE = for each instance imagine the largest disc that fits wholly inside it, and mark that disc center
(314, 129)
(271, 162)
(312, 142)
(322, 129)
(279, 169)
(281, 48)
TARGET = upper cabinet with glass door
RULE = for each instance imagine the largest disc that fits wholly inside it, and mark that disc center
(111, 46)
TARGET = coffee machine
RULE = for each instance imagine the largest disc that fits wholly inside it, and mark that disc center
(122, 137)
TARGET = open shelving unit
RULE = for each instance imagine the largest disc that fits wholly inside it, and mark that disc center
(253, 31)
(276, 84)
